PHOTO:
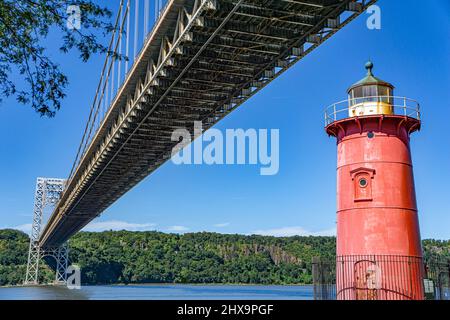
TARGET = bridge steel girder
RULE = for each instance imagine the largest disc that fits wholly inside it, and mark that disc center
(233, 47)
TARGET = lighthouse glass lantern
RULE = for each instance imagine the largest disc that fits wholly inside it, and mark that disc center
(378, 248)
(370, 96)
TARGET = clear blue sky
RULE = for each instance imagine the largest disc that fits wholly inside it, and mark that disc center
(411, 50)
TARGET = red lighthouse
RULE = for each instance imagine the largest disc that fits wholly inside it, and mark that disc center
(379, 254)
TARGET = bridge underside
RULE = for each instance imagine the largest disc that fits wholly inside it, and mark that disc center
(201, 61)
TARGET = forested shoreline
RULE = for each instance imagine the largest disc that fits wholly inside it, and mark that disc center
(112, 257)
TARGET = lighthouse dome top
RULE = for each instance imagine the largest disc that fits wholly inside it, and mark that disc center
(371, 83)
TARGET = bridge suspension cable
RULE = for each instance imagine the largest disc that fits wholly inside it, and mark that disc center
(118, 53)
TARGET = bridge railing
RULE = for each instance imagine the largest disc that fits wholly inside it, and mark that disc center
(132, 28)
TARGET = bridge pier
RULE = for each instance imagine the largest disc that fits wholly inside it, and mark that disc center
(48, 191)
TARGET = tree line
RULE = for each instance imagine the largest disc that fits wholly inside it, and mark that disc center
(127, 257)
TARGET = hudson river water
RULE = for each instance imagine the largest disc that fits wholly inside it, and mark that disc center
(160, 292)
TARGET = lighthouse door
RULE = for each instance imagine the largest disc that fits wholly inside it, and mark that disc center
(366, 279)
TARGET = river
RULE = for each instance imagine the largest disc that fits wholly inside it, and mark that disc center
(159, 292)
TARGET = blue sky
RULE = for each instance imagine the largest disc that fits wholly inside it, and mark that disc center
(411, 50)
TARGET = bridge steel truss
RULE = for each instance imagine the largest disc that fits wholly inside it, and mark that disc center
(48, 192)
(202, 60)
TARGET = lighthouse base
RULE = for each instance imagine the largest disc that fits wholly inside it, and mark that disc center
(379, 277)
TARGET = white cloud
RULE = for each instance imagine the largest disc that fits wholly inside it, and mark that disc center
(221, 225)
(177, 228)
(326, 232)
(294, 231)
(118, 225)
(24, 227)
(25, 214)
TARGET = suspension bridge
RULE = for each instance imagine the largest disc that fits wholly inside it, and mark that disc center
(197, 61)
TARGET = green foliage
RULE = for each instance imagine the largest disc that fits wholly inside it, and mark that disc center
(24, 27)
(13, 245)
(154, 257)
(436, 249)
(13, 258)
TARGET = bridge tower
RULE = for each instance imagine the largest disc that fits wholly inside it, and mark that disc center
(379, 254)
(48, 191)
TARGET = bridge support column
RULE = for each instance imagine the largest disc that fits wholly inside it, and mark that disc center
(48, 191)
(62, 262)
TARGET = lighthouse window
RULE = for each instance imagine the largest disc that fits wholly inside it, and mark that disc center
(385, 94)
(367, 93)
(362, 182)
(370, 91)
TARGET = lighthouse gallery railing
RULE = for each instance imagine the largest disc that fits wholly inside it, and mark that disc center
(400, 106)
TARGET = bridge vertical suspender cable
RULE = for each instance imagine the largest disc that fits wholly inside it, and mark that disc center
(108, 79)
(105, 90)
(105, 86)
(127, 44)
(83, 139)
(146, 18)
(105, 81)
(119, 52)
(136, 30)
